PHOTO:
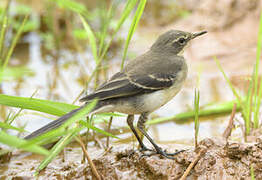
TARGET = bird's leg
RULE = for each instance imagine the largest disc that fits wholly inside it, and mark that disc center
(141, 126)
(130, 122)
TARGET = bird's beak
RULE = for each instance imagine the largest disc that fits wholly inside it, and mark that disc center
(194, 35)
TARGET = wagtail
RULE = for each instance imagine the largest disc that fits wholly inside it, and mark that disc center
(144, 85)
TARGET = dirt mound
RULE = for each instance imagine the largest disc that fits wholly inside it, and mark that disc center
(221, 160)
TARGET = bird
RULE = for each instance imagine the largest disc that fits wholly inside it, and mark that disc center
(144, 85)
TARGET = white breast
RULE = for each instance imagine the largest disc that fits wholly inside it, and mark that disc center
(159, 98)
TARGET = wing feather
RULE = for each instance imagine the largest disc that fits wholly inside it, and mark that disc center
(122, 85)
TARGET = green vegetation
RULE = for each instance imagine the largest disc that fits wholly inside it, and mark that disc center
(53, 36)
(209, 110)
(257, 91)
(103, 47)
(46, 106)
(58, 147)
(6, 51)
(7, 72)
(252, 172)
(15, 142)
(132, 28)
(251, 105)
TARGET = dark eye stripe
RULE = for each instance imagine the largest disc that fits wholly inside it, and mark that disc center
(177, 40)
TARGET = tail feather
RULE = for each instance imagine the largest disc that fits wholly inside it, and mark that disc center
(53, 125)
(58, 122)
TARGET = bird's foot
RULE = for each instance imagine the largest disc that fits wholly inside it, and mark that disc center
(175, 153)
(163, 153)
(144, 148)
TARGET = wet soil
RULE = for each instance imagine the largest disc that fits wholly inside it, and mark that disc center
(219, 160)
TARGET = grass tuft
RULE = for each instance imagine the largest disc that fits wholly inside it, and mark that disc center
(257, 92)
(15, 142)
(132, 28)
(251, 106)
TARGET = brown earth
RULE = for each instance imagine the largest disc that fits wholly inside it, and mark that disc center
(219, 160)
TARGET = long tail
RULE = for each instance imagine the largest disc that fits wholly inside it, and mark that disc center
(52, 125)
(56, 123)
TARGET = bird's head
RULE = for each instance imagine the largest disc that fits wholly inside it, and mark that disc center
(174, 41)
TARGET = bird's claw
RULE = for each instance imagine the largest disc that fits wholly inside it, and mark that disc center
(173, 154)
(144, 148)
(162, 153)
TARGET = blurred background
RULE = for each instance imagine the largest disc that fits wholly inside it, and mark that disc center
(54, 59)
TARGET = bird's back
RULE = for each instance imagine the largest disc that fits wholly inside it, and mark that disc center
(149, 63)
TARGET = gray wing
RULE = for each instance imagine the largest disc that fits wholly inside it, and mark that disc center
(122, 85)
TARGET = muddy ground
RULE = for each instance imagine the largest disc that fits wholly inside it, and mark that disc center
(218, 160)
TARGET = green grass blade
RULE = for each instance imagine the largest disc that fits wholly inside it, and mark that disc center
(2, 36)
(129, 6)
(73, 6)
(228, 81)
(14, 42)
(91, 37)
(67, 138)
(258, 55)
(127, 10)
(59, 146)
(105, 24)
(252, 172)
(249, 108)
(47, 137)
(46, 106)
(216, 109)
(4, 27)
(11, 73)
(50, 135)
(80, 114)
(11, 119)
(8, 126)
(101, 115)
(256, 114)
(240, 102)
(14, 141)
(132, 28)
(84, 123)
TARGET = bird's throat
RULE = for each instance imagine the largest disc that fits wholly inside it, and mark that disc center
(181, 53)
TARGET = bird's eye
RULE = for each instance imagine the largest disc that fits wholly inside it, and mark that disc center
(182, 41)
